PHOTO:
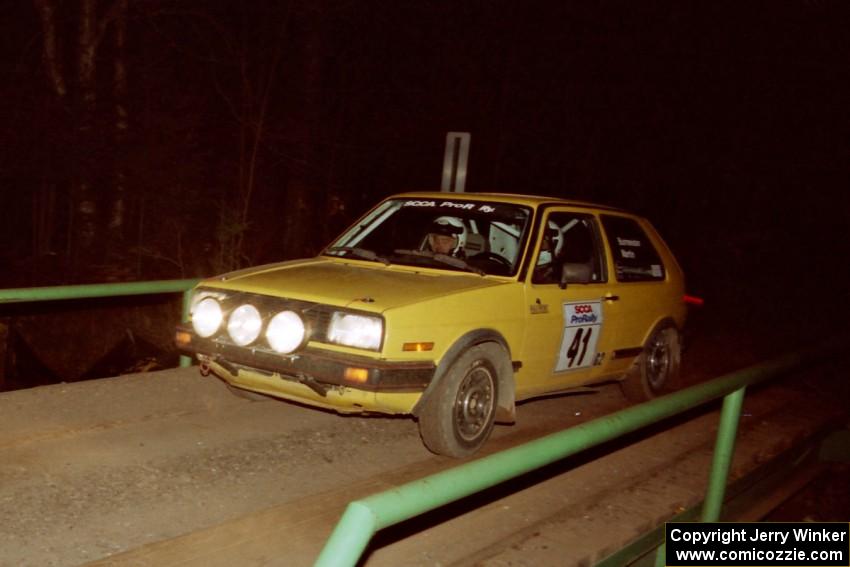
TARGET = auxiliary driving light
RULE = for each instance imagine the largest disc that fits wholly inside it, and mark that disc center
(207, 317)
(286, 332)
(244, 325)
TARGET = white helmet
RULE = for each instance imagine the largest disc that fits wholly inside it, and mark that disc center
(450, 226)
(556, 239)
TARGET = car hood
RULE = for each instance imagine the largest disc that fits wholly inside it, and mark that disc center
(359, 286)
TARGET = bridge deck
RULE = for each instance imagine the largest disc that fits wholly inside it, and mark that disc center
(169, 467)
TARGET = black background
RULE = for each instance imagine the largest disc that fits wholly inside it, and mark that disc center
(725, 123)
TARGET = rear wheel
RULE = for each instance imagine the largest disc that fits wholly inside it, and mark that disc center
(657, 369)
(458, 417)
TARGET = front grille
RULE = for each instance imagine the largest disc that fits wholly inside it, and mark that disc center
(318, 318)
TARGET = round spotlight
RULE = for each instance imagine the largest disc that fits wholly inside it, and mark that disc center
(207, 317)
(244, 325)
(286, 331)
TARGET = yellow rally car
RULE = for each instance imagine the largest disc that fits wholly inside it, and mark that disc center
(451, 307)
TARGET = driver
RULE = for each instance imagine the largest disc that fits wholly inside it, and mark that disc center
(447, 235)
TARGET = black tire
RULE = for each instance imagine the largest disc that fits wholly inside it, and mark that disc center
(657, 370)
(458, 417)
(247, 394)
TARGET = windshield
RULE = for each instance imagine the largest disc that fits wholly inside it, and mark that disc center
(453, 234)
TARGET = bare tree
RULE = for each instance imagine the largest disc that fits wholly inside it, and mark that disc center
(51, 55)
(84, 28)
(84, 211)
(120, 128)
(257, 66)
(305, 175)
(44, 200)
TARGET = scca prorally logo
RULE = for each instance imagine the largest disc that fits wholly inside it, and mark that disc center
(583, 314)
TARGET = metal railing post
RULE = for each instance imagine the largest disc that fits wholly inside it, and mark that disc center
(87, 291)
(186, 361)
(723, 452)
(345, 546)
(661, 555)
(417, 497)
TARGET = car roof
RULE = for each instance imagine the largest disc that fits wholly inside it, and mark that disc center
(516, 198)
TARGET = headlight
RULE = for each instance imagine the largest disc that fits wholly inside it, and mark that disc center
(358, 331)
(244, 325)
(207, 317)
(286, 331)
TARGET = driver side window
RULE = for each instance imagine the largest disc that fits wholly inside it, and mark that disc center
(569, 239)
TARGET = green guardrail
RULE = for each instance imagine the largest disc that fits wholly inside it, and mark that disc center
(363, 518)
(59, 293)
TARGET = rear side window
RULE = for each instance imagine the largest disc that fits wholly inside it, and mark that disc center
(635, 258)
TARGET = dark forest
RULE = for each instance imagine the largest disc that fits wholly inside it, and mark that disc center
(145, 140)
(165, 139)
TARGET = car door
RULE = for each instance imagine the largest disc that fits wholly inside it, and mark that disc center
(569, 329)
(648, 280)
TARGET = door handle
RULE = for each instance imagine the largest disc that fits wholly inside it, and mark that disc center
(611, 298)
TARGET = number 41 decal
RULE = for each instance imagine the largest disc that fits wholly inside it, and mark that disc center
(573, 356)
(582, 324)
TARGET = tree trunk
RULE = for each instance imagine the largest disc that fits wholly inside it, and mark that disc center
(257, 124)
(251, 114)
(118, 205)
(44, 202)
(304, 190)
(51, 55)
(84, 205)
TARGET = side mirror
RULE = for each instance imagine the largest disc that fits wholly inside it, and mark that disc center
(574, 273)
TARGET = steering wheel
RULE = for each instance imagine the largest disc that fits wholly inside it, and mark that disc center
(493, 257)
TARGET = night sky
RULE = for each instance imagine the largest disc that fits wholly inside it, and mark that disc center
(256, 130)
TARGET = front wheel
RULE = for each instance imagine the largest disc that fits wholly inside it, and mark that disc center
(458, 417)
(657, 369)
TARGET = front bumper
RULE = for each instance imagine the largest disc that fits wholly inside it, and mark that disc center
(317, 369)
